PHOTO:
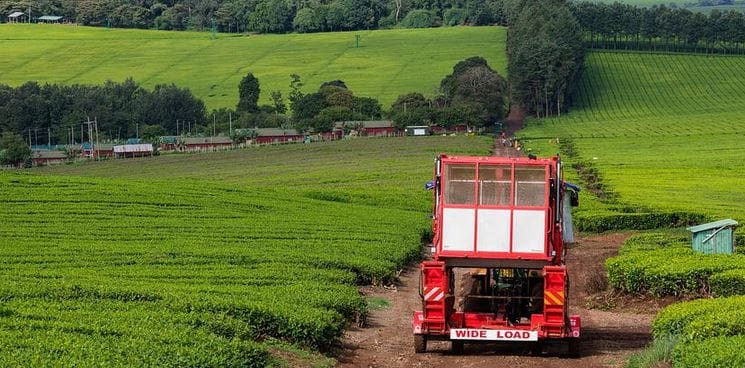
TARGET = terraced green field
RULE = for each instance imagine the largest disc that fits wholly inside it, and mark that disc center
(666, 131)
(207, 259)
(387, 63)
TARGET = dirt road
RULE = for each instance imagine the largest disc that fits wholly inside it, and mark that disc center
(608, 337)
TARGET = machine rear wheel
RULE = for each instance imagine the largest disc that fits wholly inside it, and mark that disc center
(456, 347)
(574, 348)
(420, 343)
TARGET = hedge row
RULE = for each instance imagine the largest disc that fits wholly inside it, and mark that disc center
(610, 221)
(660, 264)
(711, 331)
(718, 352)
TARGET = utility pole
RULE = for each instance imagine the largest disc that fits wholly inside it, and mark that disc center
(49, 138)
(89, 123)
(36, 137)
(96, 125)
(137, 130)
(29, 137)
(214, 122)
(177, 127)
(230, 119)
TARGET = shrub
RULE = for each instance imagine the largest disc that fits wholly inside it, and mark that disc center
(454, 17)
(420, 18)
(728, 283)
(718, 352)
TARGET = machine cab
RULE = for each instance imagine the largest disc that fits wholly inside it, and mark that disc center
(497, 208)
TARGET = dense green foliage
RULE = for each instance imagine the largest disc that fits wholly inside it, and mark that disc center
(121, 109)
(663, 265)
(387, 63)
(474, 94)
(194, 260)
(712, 332)
(624, 26)
(14, 150)
(255, 15)
(545, 55)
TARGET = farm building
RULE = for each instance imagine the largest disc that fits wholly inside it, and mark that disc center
(192, 144)
(98, 150)
(169, 143)
(274, 135)
(418, 130)
(461, 128)
(47, 157)
(17, 17)
(133, 150)
(49, 19)
(368, 128)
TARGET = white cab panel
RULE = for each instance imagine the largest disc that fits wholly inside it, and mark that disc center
(528, 231)
(458, 229)
(493, 231)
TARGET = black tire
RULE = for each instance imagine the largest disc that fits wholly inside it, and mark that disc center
(456, 347)
(420, 344)
(574, 348)
(536, 349)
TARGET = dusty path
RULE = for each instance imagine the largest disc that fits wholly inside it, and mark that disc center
(608, 337)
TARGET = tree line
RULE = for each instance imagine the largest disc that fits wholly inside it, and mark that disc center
(55, 112)
(545, 55)
(266, 16)
(660, 28)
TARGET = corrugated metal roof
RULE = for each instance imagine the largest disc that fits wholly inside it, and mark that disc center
(713, 225)
(50, 17)
(15, 14)
(207, 140)
(365, 124)
(48, 154)
(273, 132)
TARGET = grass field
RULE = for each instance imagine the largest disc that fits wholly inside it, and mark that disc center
(666, 131)
(206, 259)
(387, 63)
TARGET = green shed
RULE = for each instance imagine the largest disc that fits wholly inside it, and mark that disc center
(715, 237)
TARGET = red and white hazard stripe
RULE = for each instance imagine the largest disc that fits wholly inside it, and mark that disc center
(433, 294)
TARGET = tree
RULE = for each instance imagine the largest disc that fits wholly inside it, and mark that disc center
(152, 133)
(279, 102)
(13, 150)
(477, 85)
(248, 94)
(270, 16)
(410, 101)
(420, 18)
(308, 106)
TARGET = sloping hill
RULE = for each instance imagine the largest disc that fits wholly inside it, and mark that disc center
(387, 63)
(666, 131)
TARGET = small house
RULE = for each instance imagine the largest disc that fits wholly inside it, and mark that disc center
(715, 237)
(17, 17)
(192, 144)
(97, 150)
(133, 150)
(50, 19)
(47, 157)
(368, 128)
(418, 130)
(276, 135)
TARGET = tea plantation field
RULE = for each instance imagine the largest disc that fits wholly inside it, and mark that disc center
(387, 63)
(658, 140)
(210, 259)
(665, 131)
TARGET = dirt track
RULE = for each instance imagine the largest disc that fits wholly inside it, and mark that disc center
(607, 337)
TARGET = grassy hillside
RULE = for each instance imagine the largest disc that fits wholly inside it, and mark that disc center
(203, 260)
(666, 131)
(387, 63)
